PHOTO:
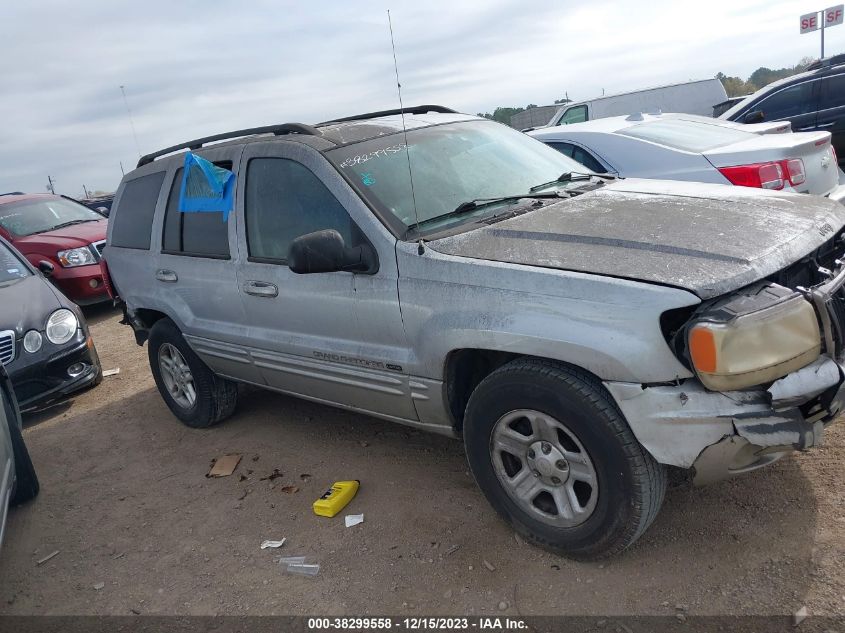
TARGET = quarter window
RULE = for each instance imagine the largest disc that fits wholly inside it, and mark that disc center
(203, 234)
(284, 201)
(133, 219)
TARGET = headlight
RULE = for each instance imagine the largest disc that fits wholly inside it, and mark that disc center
(32, 341)
(61, 326)
(76, 257)
(739, 344)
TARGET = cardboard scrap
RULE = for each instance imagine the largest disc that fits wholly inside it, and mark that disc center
(111, 372)
(224, 466)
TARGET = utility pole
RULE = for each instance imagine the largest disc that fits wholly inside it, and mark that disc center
(50, 185)
(121, 168)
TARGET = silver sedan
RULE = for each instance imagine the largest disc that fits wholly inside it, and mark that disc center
(693, 148)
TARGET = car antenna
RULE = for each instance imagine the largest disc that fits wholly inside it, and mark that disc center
(421, 248)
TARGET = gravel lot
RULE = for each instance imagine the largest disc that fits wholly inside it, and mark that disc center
(126, 502)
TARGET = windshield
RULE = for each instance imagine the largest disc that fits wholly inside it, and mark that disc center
(451, 164)
(11, 267)
(690, 136)
(37, 216)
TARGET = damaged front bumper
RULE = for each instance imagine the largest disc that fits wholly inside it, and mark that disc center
(720, 434)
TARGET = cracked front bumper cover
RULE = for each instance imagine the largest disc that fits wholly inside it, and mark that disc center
(720, 434)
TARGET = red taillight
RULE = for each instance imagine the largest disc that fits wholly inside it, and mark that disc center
(760, 175)
(767, 175)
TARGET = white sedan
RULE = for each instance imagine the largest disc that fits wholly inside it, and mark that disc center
(689, 147)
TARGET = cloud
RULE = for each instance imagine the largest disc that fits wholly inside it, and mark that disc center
(194, 68)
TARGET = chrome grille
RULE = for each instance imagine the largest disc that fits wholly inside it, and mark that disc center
(7, 346)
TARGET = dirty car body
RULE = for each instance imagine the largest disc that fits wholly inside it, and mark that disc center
(503, 295)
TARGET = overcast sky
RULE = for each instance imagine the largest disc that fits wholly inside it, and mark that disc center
(193, 68)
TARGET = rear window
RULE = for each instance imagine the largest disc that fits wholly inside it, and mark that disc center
(133, 219)
(689, 136)
(203, 234)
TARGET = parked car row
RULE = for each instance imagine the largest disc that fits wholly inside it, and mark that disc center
(580, 331)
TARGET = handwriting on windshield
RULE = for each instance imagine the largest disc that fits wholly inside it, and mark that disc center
(383, 152)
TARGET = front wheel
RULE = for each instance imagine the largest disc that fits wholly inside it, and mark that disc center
(194, 393)
(555, 458)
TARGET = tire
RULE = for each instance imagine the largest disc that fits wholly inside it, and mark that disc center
(26, 481)
(588, 492)
(214, 398)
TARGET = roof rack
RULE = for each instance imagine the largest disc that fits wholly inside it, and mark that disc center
(278, 130)
(835, 60)
(422, 109)
(13, 193)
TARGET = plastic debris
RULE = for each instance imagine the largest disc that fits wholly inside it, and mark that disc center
(99, 585)
(111, 372)
(303, 569)
(224, 466)
(354, 519)
(799, 616)
(273, 544)
(291, 560)
(41, 561)
(488, 565)
(452, 550)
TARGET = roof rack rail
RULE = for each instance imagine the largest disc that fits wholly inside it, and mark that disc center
(421, 109)
(278, 130)
(13, 193)
(834, 60)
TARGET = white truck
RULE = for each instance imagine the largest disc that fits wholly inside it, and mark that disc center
(691, 97)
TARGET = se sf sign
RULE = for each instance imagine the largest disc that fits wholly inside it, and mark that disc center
(829, 17)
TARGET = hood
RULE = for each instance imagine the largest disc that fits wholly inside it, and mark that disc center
(26, 304)
(64, 238)
(708, 239)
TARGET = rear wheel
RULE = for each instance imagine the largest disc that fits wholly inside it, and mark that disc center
(555, 458)
(194, 393)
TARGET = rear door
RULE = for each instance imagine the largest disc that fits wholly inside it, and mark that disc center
(196, 280)
(831, 114)
(335, 337)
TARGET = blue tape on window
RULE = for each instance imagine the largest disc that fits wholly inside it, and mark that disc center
(206, 187)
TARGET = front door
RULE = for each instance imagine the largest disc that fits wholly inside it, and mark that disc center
(335, 337)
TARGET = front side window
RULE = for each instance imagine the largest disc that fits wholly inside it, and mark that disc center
(451, 164)
(29, 217)
(11, 267)
(198, 233)
(580, 155)
(577, 114)
(788, 102)
(284, 201)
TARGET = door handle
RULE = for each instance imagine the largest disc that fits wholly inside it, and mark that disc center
(261, 289)
(167, 276)
(821, 125)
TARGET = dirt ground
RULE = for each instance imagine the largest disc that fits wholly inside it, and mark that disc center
(125, 500)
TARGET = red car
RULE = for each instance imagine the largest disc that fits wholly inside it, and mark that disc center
(68, 235)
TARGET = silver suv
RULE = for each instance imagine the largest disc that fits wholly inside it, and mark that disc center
(580, 333)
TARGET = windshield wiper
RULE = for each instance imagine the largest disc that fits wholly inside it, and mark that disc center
(570, 176)
(70, 223)
(472, 205)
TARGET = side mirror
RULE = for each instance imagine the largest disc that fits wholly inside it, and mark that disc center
(46, 267)
(755, 116)
(326, 252)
